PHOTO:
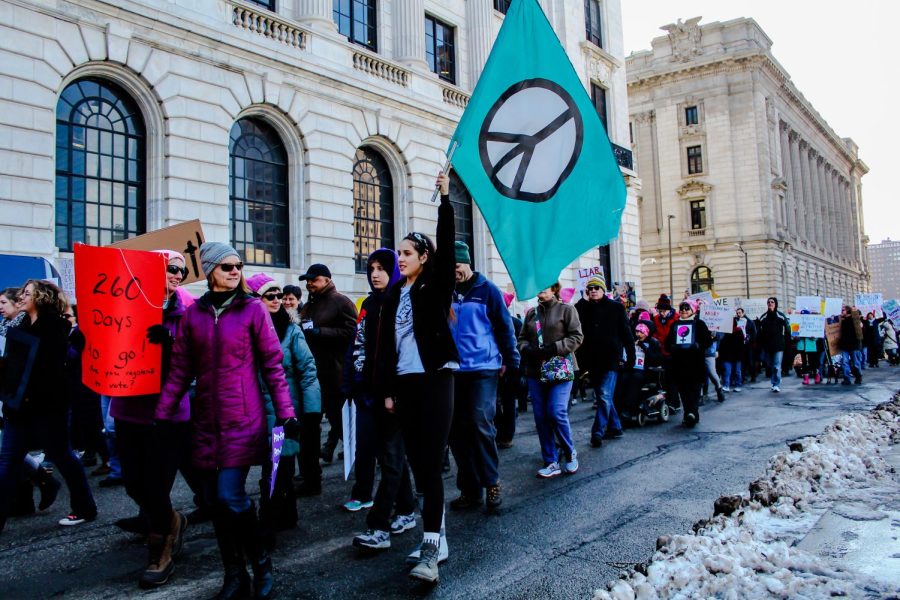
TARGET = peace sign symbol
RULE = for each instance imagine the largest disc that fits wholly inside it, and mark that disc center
(530, 140)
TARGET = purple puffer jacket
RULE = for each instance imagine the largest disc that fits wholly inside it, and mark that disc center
(225, 353)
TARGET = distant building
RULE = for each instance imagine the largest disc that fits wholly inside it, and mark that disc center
(741, 170)
(884, 265)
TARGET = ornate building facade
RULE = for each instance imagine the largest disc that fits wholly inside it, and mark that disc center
(301, 131)
(745, 185)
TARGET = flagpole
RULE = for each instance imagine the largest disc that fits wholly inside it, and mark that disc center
(446, 168)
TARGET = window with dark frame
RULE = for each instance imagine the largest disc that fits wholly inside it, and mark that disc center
(592, 22)
(598, 96)
(605, 256)
(698, 214)
(462, 209)
(356, 19)
(373, 206)
(694, 160)
(270, 4)
(100, 165)
(691, 115)
(259, 194)
(702, 280)
(440, 49)
(502, 5)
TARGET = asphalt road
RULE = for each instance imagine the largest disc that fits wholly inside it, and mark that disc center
(560, 538)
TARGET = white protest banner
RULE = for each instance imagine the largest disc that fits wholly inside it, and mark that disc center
(717, 319)
(753, 307)
(807, 326)
(727, 302)
(810, 304)
(585, 274)
(702, 297)
(639, 359)
(832, 306)
(867, 303)
(892, 311)
(348, 416)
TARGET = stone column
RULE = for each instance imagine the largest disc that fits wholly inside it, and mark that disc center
(829, 208)
(805, 217)
(316, 14)
(480, 34)
(797, 181)
(848, 210)
(840, 240)
(788, 206)
(409, 33)
(817, 203)
(857, 228)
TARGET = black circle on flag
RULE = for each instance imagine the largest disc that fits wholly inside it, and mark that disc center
(531, 139)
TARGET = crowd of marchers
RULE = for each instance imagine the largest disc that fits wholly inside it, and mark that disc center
(433, 362)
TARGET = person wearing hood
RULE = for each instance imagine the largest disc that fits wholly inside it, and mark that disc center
(328, 320)
(227, 340)
(484, 334)
(688, 339)
(774, 331)
(662, 322)
(378, 431)
(382, 272)
(279, 512)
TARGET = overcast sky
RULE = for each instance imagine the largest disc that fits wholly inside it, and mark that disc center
(843, 56)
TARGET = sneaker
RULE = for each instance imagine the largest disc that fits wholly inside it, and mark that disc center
(551, 470)
(76, 519)
(818, 379)
(806, 380)
(776, 388)
(373, 539)
(738, 389)
(443, 552)
(357, 505)
(570, 467)
(494, 499)
(465, 501)
(690, 419)
(403, 523)
(720, 395)
(427, 568)
(596, 441)
(725, 388)
(612, 434)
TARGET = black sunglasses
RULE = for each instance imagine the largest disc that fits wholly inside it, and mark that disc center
(273, 296)
(227, 268)
(592, 288)
(175, 270)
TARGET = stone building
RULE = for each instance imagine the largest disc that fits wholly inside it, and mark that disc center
(884, 265)
(300, 130)
(759, 195)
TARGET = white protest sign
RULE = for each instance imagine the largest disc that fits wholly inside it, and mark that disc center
(639, 359)
(892, 311)
(753, 307)
(66, 268)
(703, 297)
(348, 418)
(867, 303)
(717, 319)
(832, 306)
(811, 304)
(727, 302)
(585, 274)
(807, 326)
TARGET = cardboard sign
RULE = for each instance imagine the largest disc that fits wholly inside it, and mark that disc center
(277, 445)
(807, 326)
(832, 306)
(120, 295)
(753, 307)
(585, 274)
(892, 311)
(185, 238)
(833, 335)
(684, 333)
(726, 302)
(702, 297)
(717, 319)
(867, 303)
(811, 304)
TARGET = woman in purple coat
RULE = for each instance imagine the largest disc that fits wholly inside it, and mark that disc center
(227, 338)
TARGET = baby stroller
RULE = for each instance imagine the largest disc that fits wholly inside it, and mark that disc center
(644, 396)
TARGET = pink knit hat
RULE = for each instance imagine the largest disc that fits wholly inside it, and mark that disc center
(641, 328)
(260, 283)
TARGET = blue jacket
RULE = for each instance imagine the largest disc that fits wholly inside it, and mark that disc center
(483, 329)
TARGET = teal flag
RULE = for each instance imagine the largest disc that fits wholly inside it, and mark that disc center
(533, 153)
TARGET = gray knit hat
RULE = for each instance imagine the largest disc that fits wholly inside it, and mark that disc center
(213, 253)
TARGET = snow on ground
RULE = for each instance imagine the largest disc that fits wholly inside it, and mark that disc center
(748, 550)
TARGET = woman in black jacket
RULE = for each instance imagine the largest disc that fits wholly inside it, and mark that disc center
(42, 419)
(687, 341)
(415, 360)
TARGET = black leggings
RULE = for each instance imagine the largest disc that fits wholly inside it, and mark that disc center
(425, 411)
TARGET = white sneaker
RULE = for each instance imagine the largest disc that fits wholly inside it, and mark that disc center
(402, 523)
(739, 389)
(571, 466)
(551, 470)
(443, 552)
(373, 539)
(776, 388)
(725, 388)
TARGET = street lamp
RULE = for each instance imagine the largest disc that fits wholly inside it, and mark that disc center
(740, 247)
(671, 280)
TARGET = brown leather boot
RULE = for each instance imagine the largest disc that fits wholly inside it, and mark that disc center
(159, 564)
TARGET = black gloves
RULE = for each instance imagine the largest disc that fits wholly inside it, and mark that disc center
(291, 427)
(547, 352)
(311, 332)
(160, 334)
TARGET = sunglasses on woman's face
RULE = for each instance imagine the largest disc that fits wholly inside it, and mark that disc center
(273, 296)
(228, 267)
(175, 270)
(592, 288)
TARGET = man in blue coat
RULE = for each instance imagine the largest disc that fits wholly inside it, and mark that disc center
(484, 335)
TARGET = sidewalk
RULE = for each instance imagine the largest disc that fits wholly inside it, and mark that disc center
(823, 521)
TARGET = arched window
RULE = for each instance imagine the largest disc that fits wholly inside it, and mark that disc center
(259, 193)
(373, 205)
(462, 208)
(100, 172)
(701, 280)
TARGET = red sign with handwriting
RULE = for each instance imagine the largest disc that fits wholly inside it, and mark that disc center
(120, 294)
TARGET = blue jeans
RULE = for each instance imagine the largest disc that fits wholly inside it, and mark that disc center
(50, 432)
(862, 358)
(473, 437)
(774, 364)
(850, 363)
(604, 388)
(738, 379)
(109, 434)
(550, 405)
(226, 488)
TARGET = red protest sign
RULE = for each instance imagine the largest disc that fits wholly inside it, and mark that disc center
(120, 294)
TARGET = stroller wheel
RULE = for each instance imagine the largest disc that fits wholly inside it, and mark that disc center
(664, 413)
(641, 419)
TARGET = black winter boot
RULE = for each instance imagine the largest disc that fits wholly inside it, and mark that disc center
(237, 581)
(250, 535)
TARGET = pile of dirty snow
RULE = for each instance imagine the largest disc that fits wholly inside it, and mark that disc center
(746, 550)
